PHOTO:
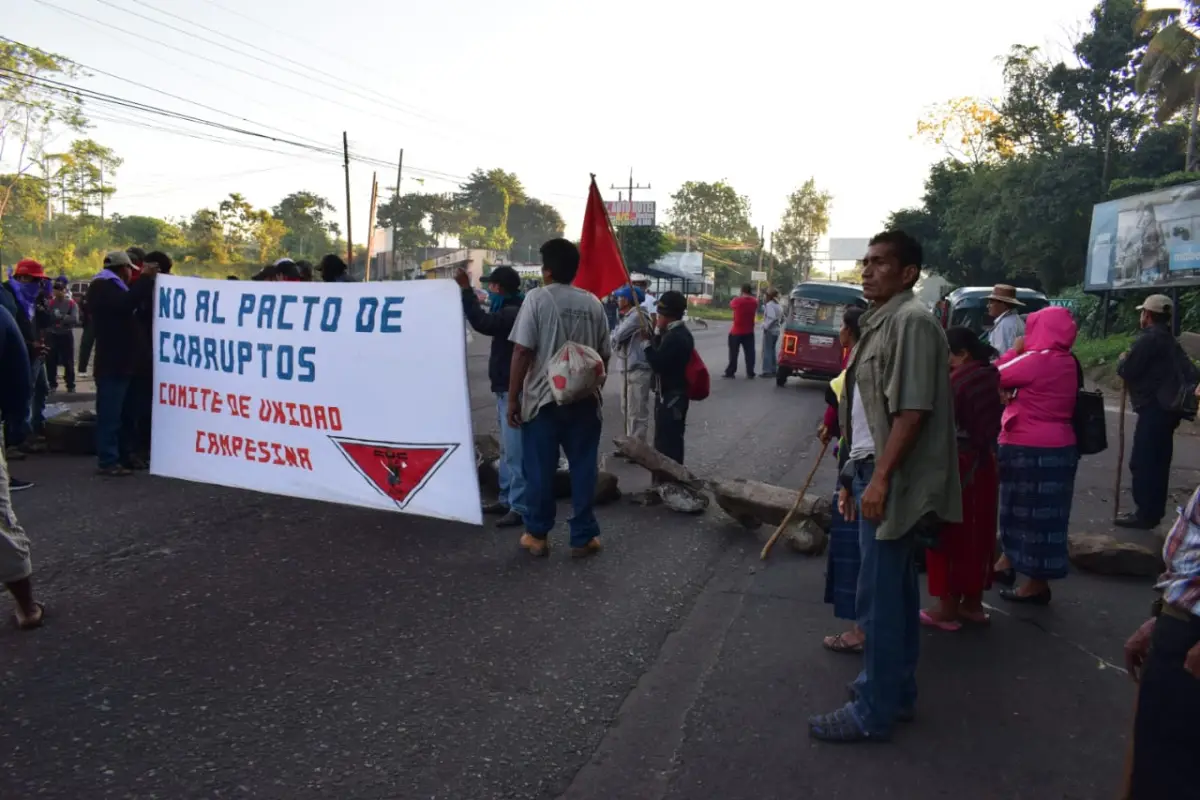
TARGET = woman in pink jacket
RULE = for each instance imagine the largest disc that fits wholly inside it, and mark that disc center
(1040, 378)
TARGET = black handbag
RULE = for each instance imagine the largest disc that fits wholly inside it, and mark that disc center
(1091, 427)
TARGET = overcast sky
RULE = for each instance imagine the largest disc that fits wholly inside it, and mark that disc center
(761, 93)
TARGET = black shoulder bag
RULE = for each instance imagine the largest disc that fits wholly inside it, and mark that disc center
(1091, 428)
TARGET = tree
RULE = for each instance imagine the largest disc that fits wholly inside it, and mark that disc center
(310, 232)
(407, 215)
(150, 233)
(643, 245)
(711, 209)
(531, 224)
(805, 221)
(965, 128)
(84, 176)
(206, 237)
(1170, 69)
(448, 216)
(490, 195)
(30, 108)
(1029, 119)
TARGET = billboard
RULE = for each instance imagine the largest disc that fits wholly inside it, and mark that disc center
(1147, 241)
(642, 214)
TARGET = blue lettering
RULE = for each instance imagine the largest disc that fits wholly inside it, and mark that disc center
(164, 303)
(309, 303)
(202, 308)
(308, 370)
(333, 306)
(389, 320)
(228, 362)
(245, 308)
(284, 301)
(163, 338)
(193, 355)
(266, 307)
(245, 353)
(210, 351)
(265, 349)
(217, 319)
(285, 362)
(367, 306)
(180, 343)
(179, 304)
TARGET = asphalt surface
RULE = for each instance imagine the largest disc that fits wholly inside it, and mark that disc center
(205, 642)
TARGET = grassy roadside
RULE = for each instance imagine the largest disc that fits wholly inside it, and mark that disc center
(1102, 352)
(708, 312)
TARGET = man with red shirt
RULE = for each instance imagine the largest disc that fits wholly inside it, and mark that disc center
(741, 335)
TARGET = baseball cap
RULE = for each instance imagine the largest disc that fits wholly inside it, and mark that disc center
(117, 258)
(1156, 304)
(28, 266)
(624, 292)
(638, 277)
(672, 303)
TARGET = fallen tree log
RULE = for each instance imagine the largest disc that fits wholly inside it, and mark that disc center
(487, 465)
(660, 466)
(754, 503)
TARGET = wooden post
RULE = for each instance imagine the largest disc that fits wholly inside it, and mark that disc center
(396, 196)
(371, 223)
(349, 238)
(1120, 451)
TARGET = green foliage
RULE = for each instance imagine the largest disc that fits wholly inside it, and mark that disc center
(1126, 187)
(642, 246)
(310, 228)
(531, 224)
(805, 221)
(1099, 352)
(711, 209)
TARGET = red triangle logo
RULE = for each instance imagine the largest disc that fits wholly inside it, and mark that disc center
(397, 471)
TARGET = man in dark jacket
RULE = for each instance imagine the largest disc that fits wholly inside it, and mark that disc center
(15, 392)
(669, 353)
(504, 298)
(113, 304)
(1149, 370)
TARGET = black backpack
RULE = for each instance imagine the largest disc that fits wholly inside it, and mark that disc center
(1091, 429)
(1179, 396)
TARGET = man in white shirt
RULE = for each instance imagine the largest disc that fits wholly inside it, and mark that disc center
(772, 323)
(649, 301)
(1007, 324)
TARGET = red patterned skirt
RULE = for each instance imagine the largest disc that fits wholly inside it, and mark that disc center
(966, 551)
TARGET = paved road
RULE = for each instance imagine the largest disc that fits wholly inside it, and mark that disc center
(207, 642)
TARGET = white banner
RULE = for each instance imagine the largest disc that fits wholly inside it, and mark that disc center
(351, 393)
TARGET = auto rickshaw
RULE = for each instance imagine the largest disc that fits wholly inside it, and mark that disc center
(968, 307)
(810, 347)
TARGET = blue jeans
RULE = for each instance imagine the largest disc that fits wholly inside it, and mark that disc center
(114, 421)
(512, 473)
(576, 429)
(888, 608)
(770, 351)
(41, 390)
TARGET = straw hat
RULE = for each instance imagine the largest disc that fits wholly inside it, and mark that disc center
(1003, 293)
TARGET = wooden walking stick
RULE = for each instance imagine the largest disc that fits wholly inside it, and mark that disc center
(1120, 451)
(766, 551)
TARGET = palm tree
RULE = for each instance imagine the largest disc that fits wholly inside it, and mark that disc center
(1170, 68)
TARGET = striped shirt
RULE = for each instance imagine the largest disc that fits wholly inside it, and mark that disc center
(1180, 584)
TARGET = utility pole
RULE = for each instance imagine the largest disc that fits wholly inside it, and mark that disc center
(101, 191)
(632, 216)
(371, 224)
(346, 164)
(395, 232)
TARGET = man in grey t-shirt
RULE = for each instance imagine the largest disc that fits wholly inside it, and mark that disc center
(550, 317)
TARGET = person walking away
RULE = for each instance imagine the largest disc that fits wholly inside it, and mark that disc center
(1038, 458)
(741, 334)
(959, 567)
(29, 287)
(627, 341)
(668, 353)
(1163, 657)
(141, 387)
(1007, 326)
(900, 451)
(64, 312)
(844, 557)
(551, 316)
(1151, 371)
(504, 303)
(15, 392)
(112, 303)
(772, 323)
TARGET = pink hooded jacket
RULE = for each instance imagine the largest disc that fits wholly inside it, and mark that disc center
(1044, 380)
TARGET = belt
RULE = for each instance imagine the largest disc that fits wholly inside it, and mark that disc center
(1179, 613)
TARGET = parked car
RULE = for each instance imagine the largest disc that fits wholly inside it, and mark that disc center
(968, 307)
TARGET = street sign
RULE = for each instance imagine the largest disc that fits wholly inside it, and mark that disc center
(642, 215)
(758, 276)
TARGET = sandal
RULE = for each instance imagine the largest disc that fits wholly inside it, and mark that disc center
(838, 644)
(975, 617)
(32, 622)
(930, 621)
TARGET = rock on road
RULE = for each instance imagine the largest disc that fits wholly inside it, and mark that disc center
(206, 642)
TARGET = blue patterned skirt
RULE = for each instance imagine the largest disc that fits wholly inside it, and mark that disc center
(841, 568)
(1036, 488)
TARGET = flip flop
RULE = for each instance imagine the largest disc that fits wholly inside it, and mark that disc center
(838, 644)
(929, 621)
(983, 619)
(31, 623)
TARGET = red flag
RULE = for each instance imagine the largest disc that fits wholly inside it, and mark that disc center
(601, 268)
